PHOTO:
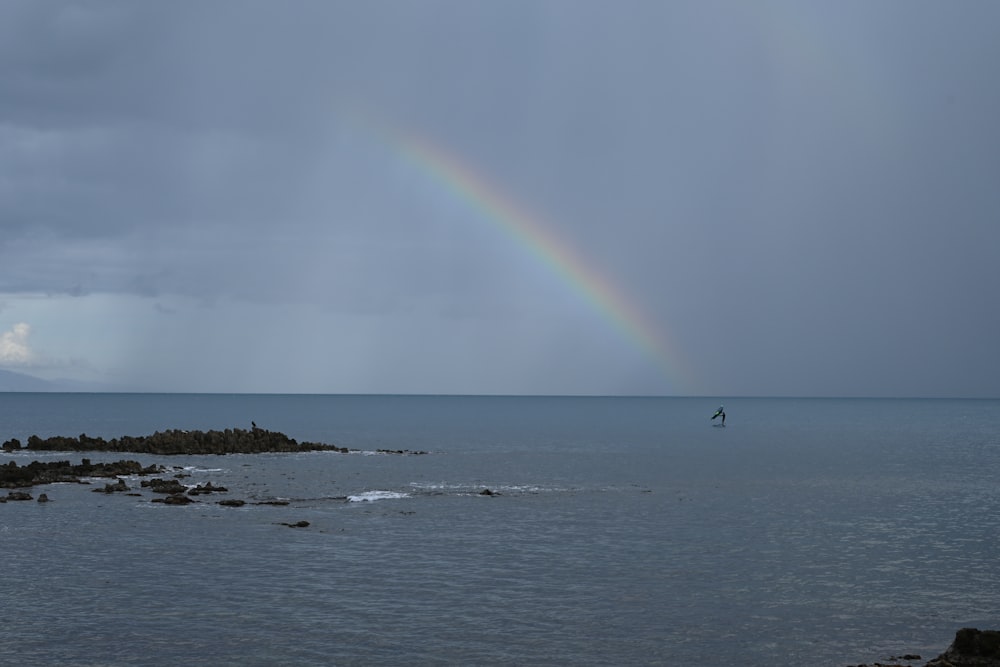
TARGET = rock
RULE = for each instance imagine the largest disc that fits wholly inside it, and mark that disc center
(19, 495)
(297, 524)
(207, 488)
(174, 499)
(487, 492)
(971, 648)
(895, 661)
(232, 503)
(180, 441)
(113, 488)
(38, 472)
(13, 476)
(159, 485)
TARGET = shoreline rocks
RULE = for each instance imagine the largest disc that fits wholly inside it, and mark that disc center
(13, 476)
(179, 442)
(971, 648)
(230, 441)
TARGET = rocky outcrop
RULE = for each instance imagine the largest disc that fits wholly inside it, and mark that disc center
(178, 441)
(971, 648)
(167, 486)
(13, 476)
(119, 487)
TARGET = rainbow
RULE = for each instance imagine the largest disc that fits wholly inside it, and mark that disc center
(464, 184)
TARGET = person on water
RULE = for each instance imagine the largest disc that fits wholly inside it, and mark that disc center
(721, 412)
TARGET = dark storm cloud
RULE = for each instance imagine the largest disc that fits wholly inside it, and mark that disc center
(801, 196)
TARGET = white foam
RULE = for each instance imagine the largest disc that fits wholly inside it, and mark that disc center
(440, 486)
(372, 496)
(475, 489)
(199, 469)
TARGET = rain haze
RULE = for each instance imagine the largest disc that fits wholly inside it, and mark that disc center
(548, 197)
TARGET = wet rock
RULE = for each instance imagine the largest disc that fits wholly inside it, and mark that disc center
(160, 485)
(174, 499)
(180, 441)
(972, 648)
(13, 476)
(206, 489)
(909, 657)
(232, 503)
(120, 487)
(38, 472)
(487, 492)
(19, 495)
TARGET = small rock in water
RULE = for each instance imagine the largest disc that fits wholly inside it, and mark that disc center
(174, 499)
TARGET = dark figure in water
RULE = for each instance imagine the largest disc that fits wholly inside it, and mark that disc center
(720, 413)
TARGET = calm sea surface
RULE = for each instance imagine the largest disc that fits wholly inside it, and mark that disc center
(627, 531)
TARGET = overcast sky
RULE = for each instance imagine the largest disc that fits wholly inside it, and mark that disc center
(795, 198)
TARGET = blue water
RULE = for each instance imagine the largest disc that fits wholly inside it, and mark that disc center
(627, 531)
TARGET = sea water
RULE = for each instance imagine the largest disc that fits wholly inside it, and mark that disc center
(621, 531)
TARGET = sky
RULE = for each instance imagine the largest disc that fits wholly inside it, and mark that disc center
(696, 197)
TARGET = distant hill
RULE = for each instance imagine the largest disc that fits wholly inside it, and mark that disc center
(11, 381)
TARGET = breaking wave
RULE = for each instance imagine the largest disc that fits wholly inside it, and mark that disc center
(372, 496)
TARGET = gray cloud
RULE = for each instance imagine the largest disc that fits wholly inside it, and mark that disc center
(801, 196)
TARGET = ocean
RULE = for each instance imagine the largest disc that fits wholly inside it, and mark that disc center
(621, 531)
